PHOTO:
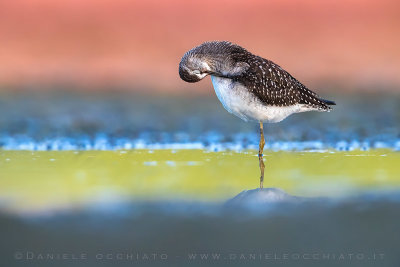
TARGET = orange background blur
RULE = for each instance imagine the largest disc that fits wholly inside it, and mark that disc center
(137, 45)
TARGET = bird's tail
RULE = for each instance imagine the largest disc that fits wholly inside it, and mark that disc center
(328, 102)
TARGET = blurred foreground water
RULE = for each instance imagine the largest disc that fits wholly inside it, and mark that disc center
(313, 234)
(171, 208)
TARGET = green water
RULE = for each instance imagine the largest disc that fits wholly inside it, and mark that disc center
(41, 181)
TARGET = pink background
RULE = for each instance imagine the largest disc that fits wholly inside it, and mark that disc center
(137, 45)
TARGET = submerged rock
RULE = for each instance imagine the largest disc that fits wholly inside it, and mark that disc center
(258, 198)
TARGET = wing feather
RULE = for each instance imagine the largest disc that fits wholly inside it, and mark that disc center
(275, 86)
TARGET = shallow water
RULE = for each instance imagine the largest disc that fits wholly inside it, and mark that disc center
(43, 181)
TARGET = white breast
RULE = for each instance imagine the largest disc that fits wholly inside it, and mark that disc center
(237, 100)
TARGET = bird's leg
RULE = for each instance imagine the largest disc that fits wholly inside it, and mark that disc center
(260, 155)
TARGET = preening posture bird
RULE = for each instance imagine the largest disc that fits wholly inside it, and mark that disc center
(251, 87)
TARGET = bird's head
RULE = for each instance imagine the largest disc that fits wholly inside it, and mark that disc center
(218, 58)
(193, 67)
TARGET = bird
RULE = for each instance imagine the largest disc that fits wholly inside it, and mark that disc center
(249, 86)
